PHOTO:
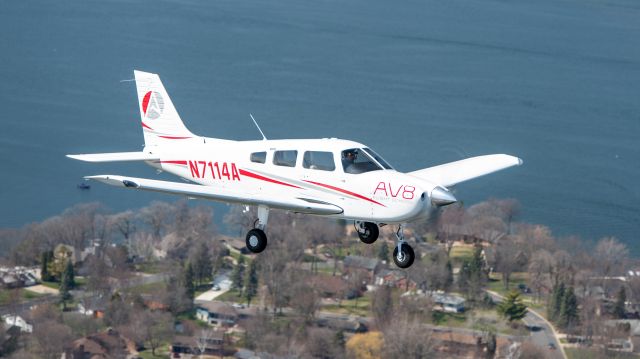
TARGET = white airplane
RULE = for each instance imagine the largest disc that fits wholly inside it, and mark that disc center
(325, 177)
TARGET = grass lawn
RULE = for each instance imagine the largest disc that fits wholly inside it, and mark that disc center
(360, 307)
(161, 352)
(457, 320)
(461, 252)
(52, 285)
(584, 353)
(495, 282)
(151, 267)
(231, 296)
(5, 295)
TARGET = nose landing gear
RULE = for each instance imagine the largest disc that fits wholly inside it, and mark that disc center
(367, 231)
(403, 255)
(256, 239)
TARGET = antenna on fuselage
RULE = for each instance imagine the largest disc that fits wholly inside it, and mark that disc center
(256, 123)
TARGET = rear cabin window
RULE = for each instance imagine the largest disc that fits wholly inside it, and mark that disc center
(285, 158)
(318, 160)
(259, 157)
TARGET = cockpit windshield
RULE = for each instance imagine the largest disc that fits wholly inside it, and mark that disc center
(358, 160)
(378, 158)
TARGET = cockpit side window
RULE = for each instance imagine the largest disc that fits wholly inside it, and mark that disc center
(318, 160)
(285, 158)
(355, 161)
(259, 157)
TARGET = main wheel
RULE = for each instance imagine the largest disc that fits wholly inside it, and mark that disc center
(369, 232)
(256, 240)
(405, 258)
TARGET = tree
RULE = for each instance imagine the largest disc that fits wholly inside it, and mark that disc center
(508, 258)
(251, 282)
(189, 288)
(46, 259)
(383, 251)
(407, 339)
(472, 274)
(569, 315)
(512, 307)
(365, 346)
(157, 328)
(382, 305)
(555, 302)
(201, 259)
(67, 282)
(237, 275)
(619, 310)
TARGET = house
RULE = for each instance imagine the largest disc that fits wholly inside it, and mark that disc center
(107, 344)
(395, 278)
(448, 302)
(18, 277)
(17, 321)
(329, 286)
(369, 266)
(347, 325)
(210, 344)
(94, 308)
(216, 313)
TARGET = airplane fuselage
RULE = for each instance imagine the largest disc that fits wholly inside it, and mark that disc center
(252, 167)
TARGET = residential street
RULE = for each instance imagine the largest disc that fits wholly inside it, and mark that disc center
(542, 333)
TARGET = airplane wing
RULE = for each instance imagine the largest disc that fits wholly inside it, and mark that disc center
(300, 204)
(456, 172)
(115, 157)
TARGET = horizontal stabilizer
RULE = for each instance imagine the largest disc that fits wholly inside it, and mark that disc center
(456, 172)
(115, 157)
(300, 205)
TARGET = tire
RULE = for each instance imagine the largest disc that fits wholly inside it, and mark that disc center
(408, 256)
(256, 240)
(370, 234)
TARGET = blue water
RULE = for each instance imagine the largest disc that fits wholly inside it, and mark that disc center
(555, 82)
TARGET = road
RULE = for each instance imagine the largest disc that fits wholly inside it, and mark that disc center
(542, 333)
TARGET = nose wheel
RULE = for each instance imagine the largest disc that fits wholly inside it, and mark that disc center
(256, 238)
(403, 255)
(367, 231)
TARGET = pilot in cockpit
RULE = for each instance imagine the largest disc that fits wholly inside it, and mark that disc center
(348, 160)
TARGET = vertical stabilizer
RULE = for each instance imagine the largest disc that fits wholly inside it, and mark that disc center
(160, 120)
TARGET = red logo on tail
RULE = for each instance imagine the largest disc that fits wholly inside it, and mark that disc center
(152, 105)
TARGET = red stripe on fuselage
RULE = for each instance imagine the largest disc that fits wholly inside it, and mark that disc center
(257, 176)
(145, 126)
(174, 137)
(346, 192)
(175, 162)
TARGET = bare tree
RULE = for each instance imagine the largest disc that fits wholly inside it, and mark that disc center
(124, 223)
(157, 328)
(508, 258)
(540, 269)
(156, 216)
(612, 257)
(408, 339)
(203, 338)
(49, 338)
(382, 305)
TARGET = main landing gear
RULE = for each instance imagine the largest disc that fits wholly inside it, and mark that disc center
(367, 231)
(403, 254)
(256, 238)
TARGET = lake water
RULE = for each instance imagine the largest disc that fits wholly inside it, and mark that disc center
(554, 82)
